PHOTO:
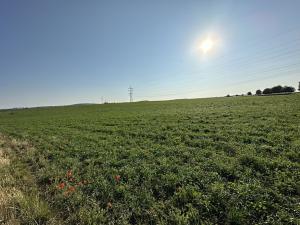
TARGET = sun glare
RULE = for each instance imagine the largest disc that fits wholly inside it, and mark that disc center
(207, 45)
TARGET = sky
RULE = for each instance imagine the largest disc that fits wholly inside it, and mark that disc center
(55, 52)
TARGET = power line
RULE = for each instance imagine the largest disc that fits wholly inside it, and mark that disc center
(268, 51)
(276, 54)
(281, 68)
(280, 53)
(277, 57)
(278, 61)
(276, 72)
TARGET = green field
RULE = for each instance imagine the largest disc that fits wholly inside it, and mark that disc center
(224, 160)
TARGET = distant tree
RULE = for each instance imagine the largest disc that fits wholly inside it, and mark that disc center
(288, 89)
(228, 95)
(258, 92)
(249, 93)
(267, 91)
(277, 89)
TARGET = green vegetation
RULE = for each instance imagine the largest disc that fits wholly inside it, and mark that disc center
(278, 89)
(203, 161)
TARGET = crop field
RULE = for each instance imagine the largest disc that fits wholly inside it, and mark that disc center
(232, 160)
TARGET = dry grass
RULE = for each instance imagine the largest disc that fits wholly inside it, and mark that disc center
(8, 194)
(18, 205)
(4, 161)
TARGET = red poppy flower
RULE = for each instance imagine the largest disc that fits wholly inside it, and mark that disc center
(71, 189)
(117, 178)
(61, 185)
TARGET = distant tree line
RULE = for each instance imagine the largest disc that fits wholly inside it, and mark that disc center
(275, 90)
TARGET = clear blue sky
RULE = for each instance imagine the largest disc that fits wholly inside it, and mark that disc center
(55, 52)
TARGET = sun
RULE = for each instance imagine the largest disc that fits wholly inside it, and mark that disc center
(207, 45)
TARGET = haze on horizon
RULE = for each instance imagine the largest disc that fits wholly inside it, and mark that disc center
(68, 52)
